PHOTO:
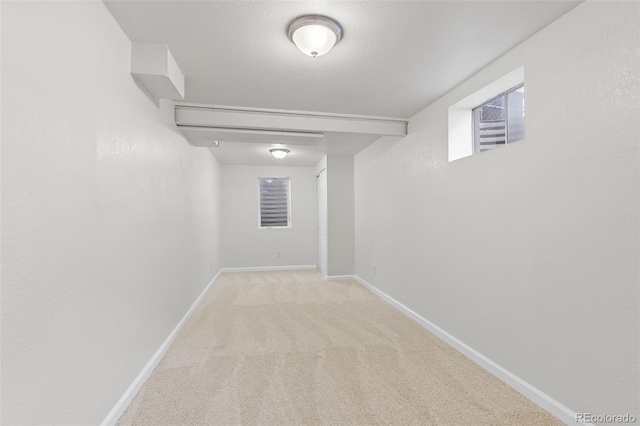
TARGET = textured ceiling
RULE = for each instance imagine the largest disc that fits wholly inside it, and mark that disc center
(396, 57)
(300, 155)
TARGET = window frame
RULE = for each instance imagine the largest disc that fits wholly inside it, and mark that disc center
(476, 140)
(289, 212)
(460, 114)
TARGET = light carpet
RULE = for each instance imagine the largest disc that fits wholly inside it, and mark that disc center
(288, 348)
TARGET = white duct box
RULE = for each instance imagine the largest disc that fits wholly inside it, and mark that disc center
(153, 66)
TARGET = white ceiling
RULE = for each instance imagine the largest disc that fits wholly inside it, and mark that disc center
(396, 56)
(300, 155)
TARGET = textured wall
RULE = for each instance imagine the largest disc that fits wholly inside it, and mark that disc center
(109, 218)
(341, 215)
(245, 244)
(529, 253)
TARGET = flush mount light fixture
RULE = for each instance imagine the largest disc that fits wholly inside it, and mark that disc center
(279, 153)
(314, 35)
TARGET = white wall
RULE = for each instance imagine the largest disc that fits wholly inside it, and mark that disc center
(341, 214)
(529, 253)
(244, 243)
(322, 164)
(110, 220)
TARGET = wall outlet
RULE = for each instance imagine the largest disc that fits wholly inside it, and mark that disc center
(211, 266)
(374, 269)
(278, 253)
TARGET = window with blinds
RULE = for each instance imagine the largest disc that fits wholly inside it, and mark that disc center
(499, 121)
(275, 202)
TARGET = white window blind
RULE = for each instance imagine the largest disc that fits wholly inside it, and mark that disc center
(274, 202)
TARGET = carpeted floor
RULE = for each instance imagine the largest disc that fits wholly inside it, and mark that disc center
(288, 348)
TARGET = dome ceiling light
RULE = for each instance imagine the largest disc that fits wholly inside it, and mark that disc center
(314, 35)
(279, 153)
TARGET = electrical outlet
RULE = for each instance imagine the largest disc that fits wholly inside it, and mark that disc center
(211, 266)
(278, 253)
(374, 269)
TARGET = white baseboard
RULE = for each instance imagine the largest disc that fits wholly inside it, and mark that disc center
(543, 400)
(340, 277)
(268, 268)
(135, 387)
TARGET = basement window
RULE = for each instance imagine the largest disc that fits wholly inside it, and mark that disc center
(499, 121)
(275, 202)
(488, 118)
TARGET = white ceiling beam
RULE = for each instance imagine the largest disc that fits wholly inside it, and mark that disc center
(249, 119)
(210, 137)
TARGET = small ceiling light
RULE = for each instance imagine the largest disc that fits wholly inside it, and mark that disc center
(314, 35)
(279, 153)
